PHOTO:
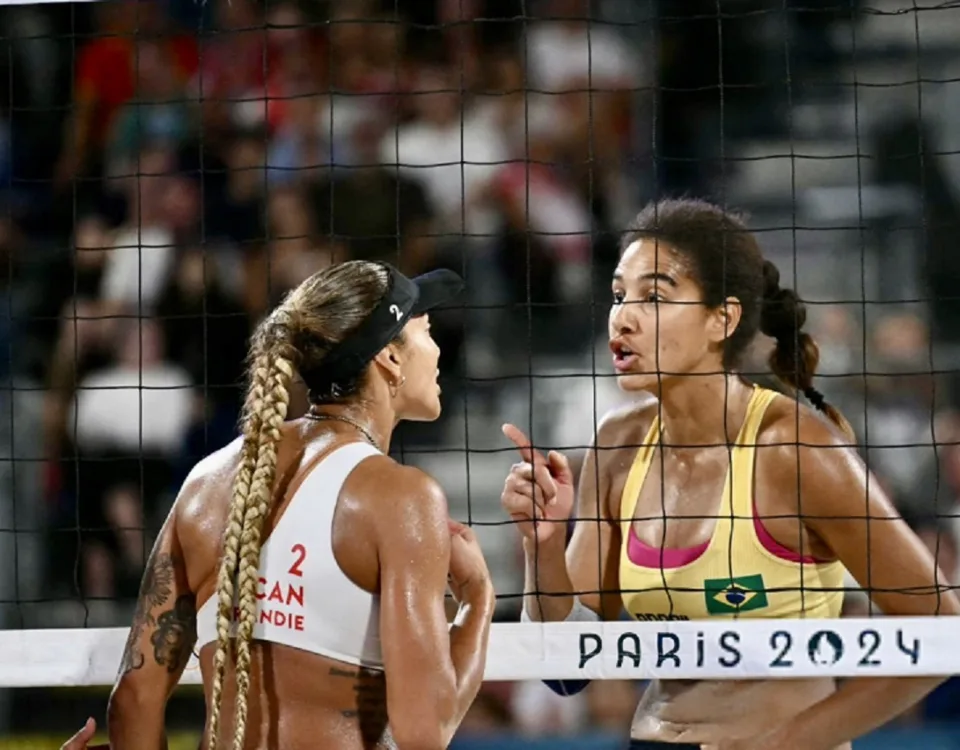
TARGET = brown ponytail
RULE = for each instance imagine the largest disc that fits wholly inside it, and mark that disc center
(795, 357)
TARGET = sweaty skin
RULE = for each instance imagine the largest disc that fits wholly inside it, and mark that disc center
(299, 699)
(731, 713)
(347, 707)
(685, 710)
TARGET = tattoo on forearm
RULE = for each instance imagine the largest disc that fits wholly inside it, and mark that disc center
(175, 634)
(175, 627)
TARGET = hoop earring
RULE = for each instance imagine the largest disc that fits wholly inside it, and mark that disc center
(395, 387)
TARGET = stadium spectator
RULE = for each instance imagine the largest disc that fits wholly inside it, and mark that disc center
(302, 146)
(373, 212)
(206, 328)
(158, 112)
(590, 77)
(140, 257)
(129, 421)
(106, 79)
(230, 82)
(234, 201)
(453, 152)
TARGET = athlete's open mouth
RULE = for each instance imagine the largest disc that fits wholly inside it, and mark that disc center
(624, 357)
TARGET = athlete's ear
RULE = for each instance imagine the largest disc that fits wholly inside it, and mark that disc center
(390, 360)
(723, 320)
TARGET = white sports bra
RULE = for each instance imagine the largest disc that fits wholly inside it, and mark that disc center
(304, 599)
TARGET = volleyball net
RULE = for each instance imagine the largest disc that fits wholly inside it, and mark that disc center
(682, 650)
(171, 169)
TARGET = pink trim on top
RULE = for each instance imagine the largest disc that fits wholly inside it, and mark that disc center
(774, 547)
(643, 555)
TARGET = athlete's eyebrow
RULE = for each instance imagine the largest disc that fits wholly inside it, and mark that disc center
(669, 280)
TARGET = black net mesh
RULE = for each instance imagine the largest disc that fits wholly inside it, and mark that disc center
(170, 169)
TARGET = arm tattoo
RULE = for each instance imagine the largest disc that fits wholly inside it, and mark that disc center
(175, 627)
(175, 634)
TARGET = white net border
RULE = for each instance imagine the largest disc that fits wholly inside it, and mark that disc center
(734, 649)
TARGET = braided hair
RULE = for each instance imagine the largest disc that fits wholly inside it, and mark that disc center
(795, 356)
(320, 313)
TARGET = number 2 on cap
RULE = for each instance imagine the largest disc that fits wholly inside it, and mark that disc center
(396, 311)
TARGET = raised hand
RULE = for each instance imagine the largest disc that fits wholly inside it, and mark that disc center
(538, 493)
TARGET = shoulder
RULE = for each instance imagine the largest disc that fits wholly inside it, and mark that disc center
(213, 473)
(795, 440)
(790, 424)
(627, 425)
(217, 465)
(400, 510)
(619, 434)
(386, 492)
(380, 471)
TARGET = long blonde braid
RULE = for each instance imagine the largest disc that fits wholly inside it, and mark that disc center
(267, 397)
(273, 413)
(231, 546)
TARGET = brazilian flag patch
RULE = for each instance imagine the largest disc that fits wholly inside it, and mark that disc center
(724, 596)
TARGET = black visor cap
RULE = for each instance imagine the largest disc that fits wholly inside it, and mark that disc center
(435, 288)
(405, 298)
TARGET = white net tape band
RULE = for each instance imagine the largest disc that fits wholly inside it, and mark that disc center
(883, 646)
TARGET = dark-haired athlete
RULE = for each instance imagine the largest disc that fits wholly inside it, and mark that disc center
(306, 565)
(738, 503)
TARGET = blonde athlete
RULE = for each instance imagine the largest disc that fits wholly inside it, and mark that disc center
(307, 566)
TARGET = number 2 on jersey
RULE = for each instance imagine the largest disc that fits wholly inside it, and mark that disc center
(300, 553)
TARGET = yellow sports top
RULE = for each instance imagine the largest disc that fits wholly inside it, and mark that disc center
(742, 571)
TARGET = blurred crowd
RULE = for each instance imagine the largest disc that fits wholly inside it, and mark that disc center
(172, 168)
(209, 174)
